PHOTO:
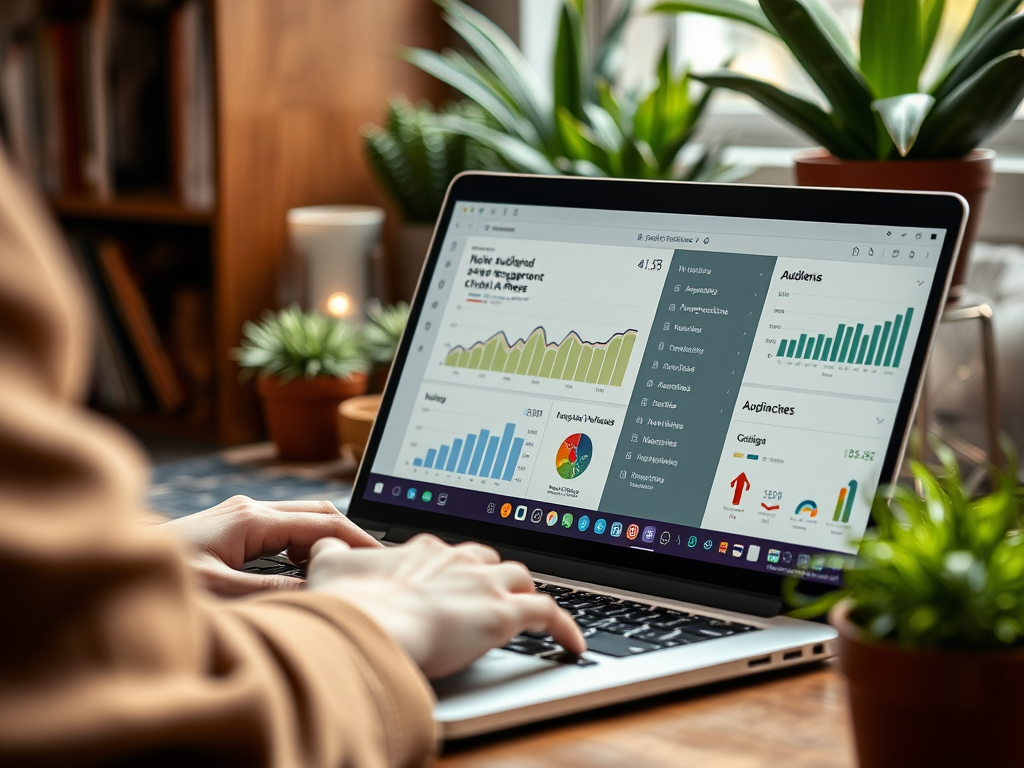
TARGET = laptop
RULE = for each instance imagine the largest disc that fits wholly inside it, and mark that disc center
(663, 398)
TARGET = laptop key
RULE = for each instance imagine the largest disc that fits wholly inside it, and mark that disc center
(707, 631)
(618, 646)
(527, 645)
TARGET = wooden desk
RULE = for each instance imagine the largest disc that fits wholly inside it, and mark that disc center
(796, 719)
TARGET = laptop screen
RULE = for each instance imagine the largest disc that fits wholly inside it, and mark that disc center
(715, 388)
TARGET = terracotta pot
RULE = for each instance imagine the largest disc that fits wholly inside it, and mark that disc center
(355, 421)
(931, 708)
(301, 414)
(970, 176)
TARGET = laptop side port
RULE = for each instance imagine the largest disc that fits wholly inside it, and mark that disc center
(762, 662)
(792, 655)
(818, 649)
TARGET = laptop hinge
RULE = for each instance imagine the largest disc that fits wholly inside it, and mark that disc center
(701, 593)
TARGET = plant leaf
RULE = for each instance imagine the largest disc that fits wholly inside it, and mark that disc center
(833, 28)
(827, 65)
(606, 131)
(569, 69)
(802, 114)
(987, 15)
(517, 153)
(976, 109)
(931, 18)
(903, 116)
(737, 10)
(890, 46)
(609, 55)
(501, 56)
(448, 69)
(581, 142)
(1007, 36)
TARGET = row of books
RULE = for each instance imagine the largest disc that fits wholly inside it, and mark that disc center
(140, 363)
(110, 97)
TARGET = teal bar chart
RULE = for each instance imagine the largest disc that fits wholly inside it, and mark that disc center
(881, 346)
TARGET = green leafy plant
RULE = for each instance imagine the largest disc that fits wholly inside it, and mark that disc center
(878, 106)
(585, 124)
(293, 343)
(383, 331)
(940, 570)
(415, 158)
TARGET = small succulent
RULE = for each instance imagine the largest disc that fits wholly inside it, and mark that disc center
(414, 158)
(941, 570)
(293, 343)
(383, 331)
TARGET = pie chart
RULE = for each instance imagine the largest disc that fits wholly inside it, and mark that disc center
(574, 456)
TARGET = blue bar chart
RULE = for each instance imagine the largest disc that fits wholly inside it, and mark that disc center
(480, 454)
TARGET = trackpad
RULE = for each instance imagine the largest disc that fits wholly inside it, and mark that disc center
(497, 667)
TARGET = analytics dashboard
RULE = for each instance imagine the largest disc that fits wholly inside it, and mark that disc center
(711, 387)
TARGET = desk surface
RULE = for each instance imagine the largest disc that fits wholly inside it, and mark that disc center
(798, 719)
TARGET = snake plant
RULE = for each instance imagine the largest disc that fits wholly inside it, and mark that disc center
(415, 158)
(878, 106)
(585, 124)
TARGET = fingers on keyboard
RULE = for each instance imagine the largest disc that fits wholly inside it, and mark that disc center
(621, 628)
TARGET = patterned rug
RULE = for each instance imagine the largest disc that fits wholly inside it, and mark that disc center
(183, 487)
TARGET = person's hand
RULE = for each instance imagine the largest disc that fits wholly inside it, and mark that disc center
(446, 606)
(219, 540)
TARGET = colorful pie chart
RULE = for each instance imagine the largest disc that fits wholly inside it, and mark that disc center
(574, 456)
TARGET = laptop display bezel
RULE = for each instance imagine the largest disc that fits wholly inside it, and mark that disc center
(906, 209)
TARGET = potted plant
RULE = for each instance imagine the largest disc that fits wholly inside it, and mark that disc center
(586, 125)
(307, 364)
(414, 159)
(884, 127)
(381, 336)
(931, 625)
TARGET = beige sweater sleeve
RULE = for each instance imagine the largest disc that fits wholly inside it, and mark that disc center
(108, 655)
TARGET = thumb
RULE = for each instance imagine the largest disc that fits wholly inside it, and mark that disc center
(239, 583)
(227, 582)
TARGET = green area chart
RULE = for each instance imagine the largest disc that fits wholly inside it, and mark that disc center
(571, 359)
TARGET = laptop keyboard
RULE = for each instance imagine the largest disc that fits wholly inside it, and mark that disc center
(620, 628)
(611, 626)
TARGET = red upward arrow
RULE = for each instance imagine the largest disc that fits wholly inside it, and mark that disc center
(741, 484)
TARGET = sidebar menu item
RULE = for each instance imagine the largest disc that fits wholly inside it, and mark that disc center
(693, 364)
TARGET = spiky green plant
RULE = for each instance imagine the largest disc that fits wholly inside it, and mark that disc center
(585, 124)
(293, 343)
(415, 158)
(878, 106)
(383, 331)
(940, 570)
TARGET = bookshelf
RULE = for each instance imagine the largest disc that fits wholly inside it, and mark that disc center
(290, 84)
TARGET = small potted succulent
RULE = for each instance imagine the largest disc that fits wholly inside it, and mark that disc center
(884, 126)
(931, 624)
(381, 336)
(414, 159)
(307, 364)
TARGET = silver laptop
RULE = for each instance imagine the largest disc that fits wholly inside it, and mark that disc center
(664, 398)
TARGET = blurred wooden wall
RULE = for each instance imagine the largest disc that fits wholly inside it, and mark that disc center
(295, 81)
